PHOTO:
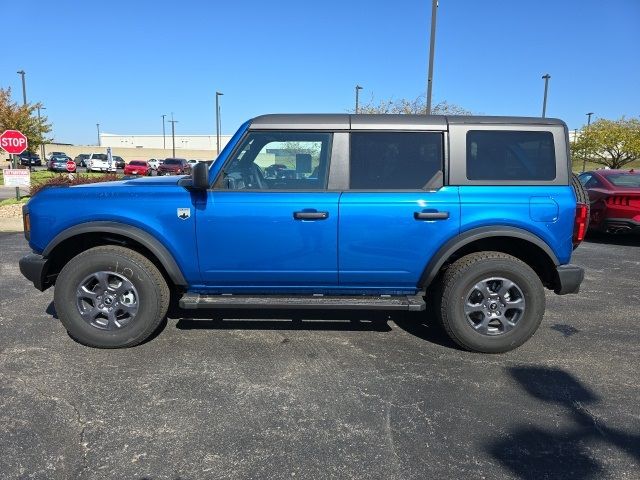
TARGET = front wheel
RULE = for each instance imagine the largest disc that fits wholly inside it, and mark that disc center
(491, 302)
(111, 297)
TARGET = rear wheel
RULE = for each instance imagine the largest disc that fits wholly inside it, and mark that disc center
(490, 302)
(111, 297)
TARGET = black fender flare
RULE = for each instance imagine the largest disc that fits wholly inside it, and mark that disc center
(465, 238)
(134, 233)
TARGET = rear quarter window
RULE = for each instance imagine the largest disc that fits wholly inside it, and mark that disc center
(508, 155)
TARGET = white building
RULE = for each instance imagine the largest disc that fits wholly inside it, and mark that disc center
(183, 142)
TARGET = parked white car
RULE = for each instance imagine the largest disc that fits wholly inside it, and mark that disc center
(154, 163)
(98, 162)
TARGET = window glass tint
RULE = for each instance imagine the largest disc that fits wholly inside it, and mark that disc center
(510, 155)
(625, 179)
(278, 161)
(394, 160)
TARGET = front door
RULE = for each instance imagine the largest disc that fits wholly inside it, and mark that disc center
(268, 223)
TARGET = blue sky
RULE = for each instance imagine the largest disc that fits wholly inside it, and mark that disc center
(125, 63)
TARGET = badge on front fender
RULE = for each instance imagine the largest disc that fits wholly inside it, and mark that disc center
(184, 213)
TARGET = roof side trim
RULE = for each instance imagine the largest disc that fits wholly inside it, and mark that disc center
(345, 121)
(301, 121)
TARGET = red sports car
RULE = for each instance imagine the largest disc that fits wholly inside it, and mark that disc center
(137, 167)
(615, 200)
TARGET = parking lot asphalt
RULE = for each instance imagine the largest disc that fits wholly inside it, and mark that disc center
(320, 395)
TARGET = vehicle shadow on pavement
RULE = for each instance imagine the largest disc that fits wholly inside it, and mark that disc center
(232, 319)
(531, 452)
(417, 324)
(334, 320)
(628, 240)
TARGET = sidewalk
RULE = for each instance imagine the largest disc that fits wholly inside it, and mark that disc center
(11, 224)
(10, 192)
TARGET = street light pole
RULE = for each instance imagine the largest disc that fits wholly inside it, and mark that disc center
(358, 88)
(98, 127)
(589, 118)
(42, 152)
(218, 94)
(164, 138)
(173, 134)
(22, 73)
(584, 161)
(546, 78)
(432, 46)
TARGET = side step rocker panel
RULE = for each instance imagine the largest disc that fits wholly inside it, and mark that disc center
(192, 301)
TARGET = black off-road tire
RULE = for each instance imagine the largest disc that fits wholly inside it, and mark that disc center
(149, 283)
(460, 278)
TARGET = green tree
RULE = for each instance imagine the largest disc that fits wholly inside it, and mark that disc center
(612, 143)
(23, 118)
(409, 106)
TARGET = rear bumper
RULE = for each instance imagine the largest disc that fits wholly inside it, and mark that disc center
(34, 268)
(569, 279)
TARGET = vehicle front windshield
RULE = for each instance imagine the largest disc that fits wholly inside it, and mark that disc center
(631, 180)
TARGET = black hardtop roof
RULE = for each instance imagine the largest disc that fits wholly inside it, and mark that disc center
(345, 121)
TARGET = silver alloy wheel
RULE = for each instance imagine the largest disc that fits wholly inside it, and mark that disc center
(107, 300)
(494, 306)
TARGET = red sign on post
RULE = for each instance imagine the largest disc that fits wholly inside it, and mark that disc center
(13, 142)
(71, 166)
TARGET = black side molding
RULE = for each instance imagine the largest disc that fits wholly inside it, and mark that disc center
(134, 233)
(441, 256)
(307, 302)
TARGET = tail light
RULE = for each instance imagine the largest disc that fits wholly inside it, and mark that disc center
(580, 224)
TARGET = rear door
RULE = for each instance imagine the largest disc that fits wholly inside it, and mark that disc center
(269, 224)
(396, 213)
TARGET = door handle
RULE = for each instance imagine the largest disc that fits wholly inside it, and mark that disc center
(306, 215)
(431, 215)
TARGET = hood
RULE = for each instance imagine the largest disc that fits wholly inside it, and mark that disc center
(135, 182)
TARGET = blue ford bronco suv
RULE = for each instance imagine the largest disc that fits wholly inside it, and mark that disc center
(471, 216)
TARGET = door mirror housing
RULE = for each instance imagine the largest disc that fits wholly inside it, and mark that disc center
(200, 176)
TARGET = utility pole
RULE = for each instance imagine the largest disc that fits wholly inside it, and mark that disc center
(218, 94)
(432, 46)
(24, 102)
(164, 138)
(546, 78)
(98, 127)
(358, 88)
(22, 73)
(42, 152)
(584, 161)
(173, 134)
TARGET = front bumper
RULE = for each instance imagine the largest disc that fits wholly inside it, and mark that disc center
(35, 267)
(569, 279)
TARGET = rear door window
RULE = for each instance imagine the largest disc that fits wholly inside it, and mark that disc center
(505, 155)
(396, 160)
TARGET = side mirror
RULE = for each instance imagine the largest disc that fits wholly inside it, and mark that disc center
(200, 176)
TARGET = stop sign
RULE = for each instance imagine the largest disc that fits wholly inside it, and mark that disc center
(13, 142)
(71, 166)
